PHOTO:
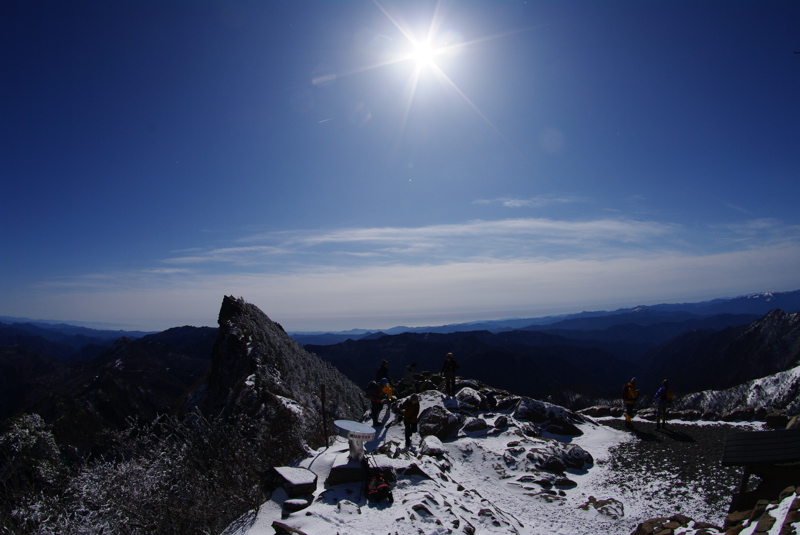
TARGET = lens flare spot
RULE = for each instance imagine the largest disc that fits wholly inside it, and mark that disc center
(323, 75)
(360, 115)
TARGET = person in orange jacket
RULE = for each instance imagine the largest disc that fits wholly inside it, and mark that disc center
(629, 395)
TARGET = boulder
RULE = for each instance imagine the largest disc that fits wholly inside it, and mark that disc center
(598, 411)
(576, 457)
(296, 481)
(506, 403)
(432, 446)
(744, 414)
(285, 529)
(777, 420)
(296, 504)
(530, 430)
(610, 507)
(562, 428)
(439, 422)
(690, 415)
(475, 425)
(557, 420)
(470, 399)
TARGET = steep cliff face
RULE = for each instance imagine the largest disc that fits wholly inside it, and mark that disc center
(259, 372)
(730, 357)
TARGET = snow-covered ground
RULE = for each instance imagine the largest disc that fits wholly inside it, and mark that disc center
(484, 484)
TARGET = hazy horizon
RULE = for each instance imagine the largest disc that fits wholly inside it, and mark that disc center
(410, 322)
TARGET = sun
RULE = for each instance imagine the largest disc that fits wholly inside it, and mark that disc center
(429, 53)
(423, 55)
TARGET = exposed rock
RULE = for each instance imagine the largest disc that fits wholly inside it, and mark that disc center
(432, 446)
(608, 507)
(558, 419)
(777, 516)
(296, 481)
(439, 422)
(688, 415)
(598, 411)
(285, 529)
(259, 372)
(475, 425)
(777, 420)
(470, 399)
(296, 504)
(741, 414)
(529, 429)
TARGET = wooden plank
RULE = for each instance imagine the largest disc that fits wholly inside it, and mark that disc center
(762, 447)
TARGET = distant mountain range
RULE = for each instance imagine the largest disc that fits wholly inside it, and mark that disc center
(100, 378)
(752, 305)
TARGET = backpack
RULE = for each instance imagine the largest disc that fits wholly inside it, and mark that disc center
(378, 489)
(625, 392)
(669, 395)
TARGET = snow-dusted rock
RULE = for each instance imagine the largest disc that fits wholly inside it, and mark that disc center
(285, 529)
(296, 504)
(470, 399)
(346, 507)
(739, 414)
(296, 481)
(475, 425)
(608, 507)
(598, 411)
(548, 417)
(438, 421)
(432, 446)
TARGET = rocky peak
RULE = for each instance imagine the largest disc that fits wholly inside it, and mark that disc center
(257, 369)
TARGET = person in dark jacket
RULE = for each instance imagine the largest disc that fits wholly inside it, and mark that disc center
(410, 410)
(376, 401)
(663, 398)
(383, 372)
(449, 371)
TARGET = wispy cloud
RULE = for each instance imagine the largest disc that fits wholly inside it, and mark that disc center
(506, 238)
(379, 277)
(531, 202)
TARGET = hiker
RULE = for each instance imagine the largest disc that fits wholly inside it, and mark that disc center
(386, 389)
(409, 382)
(376, 400)
(629, 395)
(383, 372)
(663, 398)
(410, 410)
(449, 372)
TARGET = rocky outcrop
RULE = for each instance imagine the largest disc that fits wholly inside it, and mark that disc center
(779, 516)
(257, 370)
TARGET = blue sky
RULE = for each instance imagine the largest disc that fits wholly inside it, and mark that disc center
(538, 158)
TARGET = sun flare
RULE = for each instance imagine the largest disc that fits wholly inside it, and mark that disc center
(423, 55)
